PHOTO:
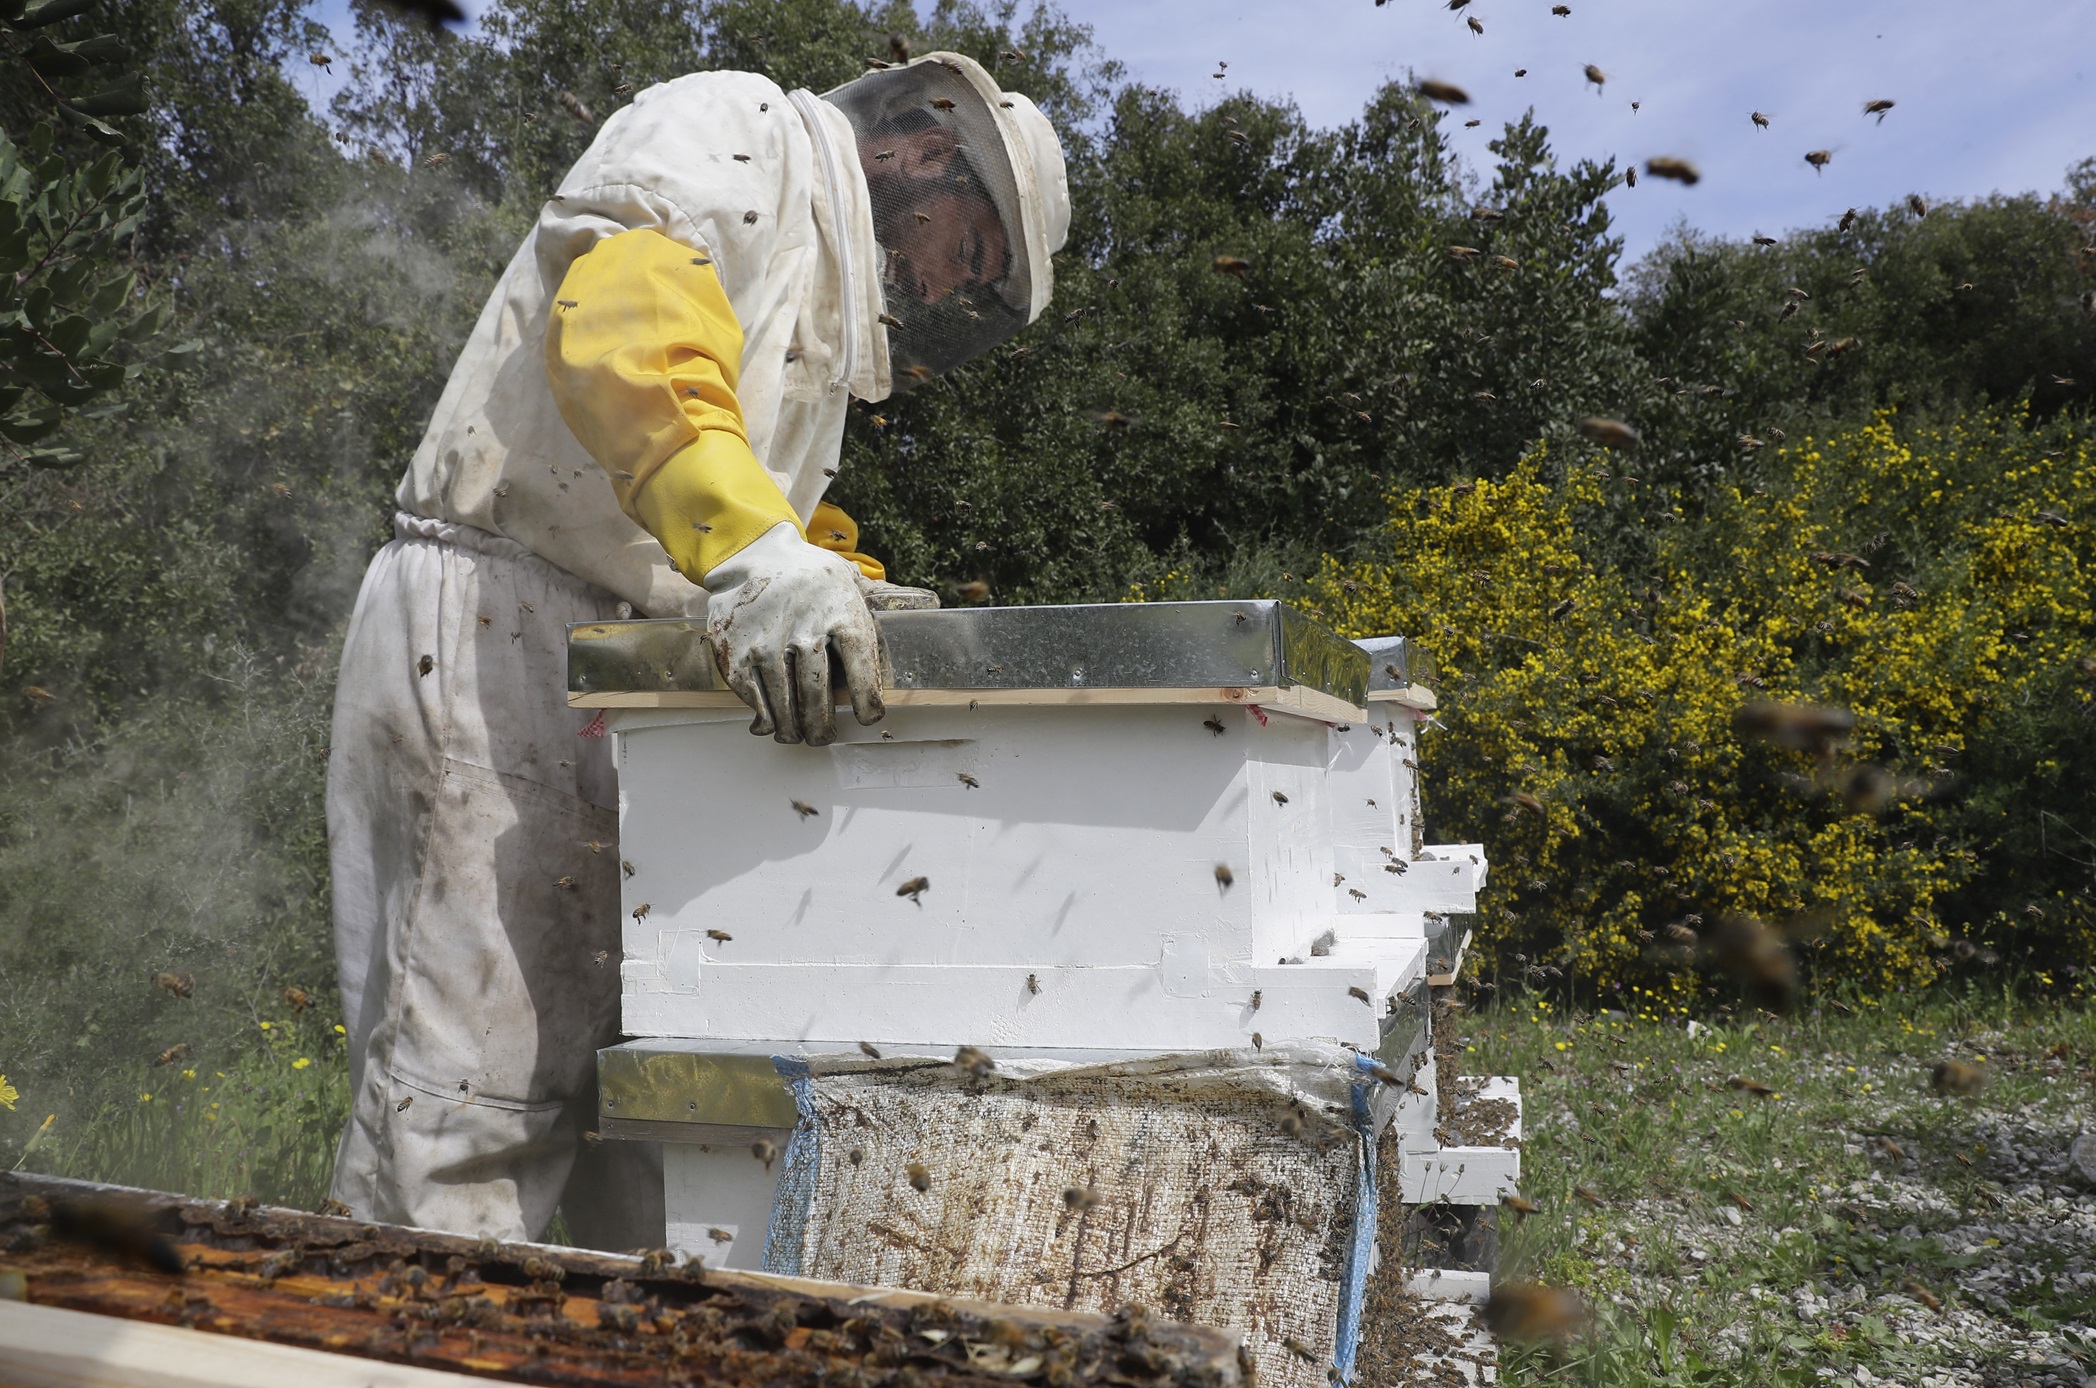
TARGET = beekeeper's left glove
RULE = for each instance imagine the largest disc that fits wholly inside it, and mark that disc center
(775, 611)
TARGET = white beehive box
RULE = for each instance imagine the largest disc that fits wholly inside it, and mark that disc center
(1067, 781)
(1070, 837)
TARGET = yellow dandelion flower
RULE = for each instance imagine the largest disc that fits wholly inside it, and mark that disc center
(301, 1063)
(8, 1094)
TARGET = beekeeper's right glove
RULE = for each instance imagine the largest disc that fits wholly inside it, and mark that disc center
(775, 612)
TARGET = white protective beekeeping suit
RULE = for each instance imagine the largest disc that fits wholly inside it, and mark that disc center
(471, 815)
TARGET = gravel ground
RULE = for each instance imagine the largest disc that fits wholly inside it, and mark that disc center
(1852, 1227)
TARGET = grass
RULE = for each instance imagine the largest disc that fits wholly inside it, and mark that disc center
(264, 1124)
(1783, 1240)
(1838, 1244)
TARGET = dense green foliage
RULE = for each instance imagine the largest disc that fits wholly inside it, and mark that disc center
(177, 594)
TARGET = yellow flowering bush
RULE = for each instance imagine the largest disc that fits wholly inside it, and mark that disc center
(1935, 582)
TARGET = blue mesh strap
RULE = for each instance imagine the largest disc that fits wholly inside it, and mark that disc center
(1353, 1287)
(786, 1236)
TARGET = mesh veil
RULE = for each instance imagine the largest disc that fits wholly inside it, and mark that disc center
(956, 271)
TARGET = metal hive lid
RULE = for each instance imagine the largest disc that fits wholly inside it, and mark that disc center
(1166, 645)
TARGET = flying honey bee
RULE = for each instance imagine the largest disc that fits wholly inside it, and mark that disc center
(1447, 93)
(1877, 108)
(1258, 1041)
(1522, 1208)
(1298, 1349)
(1362, 993)
(181, 985)
(1819, 158)
(1679, 170)
(1223, 877)
(1533, 1313)
(572, 104)
(968, 781)
(1917, 204)
(1760, 121)
(1213, 724)
(565, 883)
(297, 999)
(1890, 1148)
(1587, 1197)
(425, 665)
(975, 591)
(1597, 77)
(1232, 265)
(402, 1106)
(871, 1051)
(1757, 958)
(178, 1051)
(1357, 894)
(1799, 727)
(1078, 1200)
(1464, 252)
(1609, 433)
(1279, 798)
(973, 1060)
(1740, 1200)
(749, 218)
(1476, 25)
(1956, 1077)
(719, 937)
(915, 889)
(1910, 1286)
(1754, 1087)
(640, 912)
(1258, 996)
(765, 1150)
(1525, 800)
(920, 1177)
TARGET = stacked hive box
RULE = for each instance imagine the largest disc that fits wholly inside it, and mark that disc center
(1082, 836)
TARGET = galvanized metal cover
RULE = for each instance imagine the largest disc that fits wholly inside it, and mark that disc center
(1395, 662)
(1164, 645)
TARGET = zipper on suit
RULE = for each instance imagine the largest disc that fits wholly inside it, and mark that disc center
(833, 180)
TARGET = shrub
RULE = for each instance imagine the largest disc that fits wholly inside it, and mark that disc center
(1919, 577)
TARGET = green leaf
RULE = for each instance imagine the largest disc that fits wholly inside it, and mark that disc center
(27, 424)
(96, 129)
(126, 98)
(72, 59)
(37, 13)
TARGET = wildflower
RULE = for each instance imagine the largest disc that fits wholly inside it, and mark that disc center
(8, 1094)
(301, 1063)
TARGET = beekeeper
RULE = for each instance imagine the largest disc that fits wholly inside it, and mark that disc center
(645, 418)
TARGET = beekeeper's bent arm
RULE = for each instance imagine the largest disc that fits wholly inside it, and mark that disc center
(642, 351)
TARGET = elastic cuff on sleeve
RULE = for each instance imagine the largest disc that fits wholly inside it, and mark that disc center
(708, 501)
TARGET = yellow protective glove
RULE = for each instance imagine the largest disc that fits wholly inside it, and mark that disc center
(642, 352)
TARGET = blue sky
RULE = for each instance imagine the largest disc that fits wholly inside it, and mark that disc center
(1995, 96)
